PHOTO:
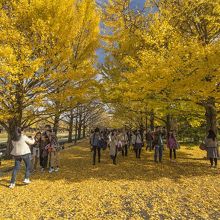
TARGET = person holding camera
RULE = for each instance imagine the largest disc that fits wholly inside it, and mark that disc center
(21, 152)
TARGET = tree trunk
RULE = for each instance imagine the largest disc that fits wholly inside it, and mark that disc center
(146, 122)
(211, 115)
(84, 131)
(56, 123)
(76, 125)
(70, 136)
(12, 124)
(152, 120)
(84, 125)
(169, 123)
(80, 124)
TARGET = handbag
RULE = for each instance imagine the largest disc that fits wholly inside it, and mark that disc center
(202, 146)
(177, 146)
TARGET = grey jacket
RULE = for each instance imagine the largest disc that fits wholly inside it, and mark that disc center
(94, 139)
(210, 143)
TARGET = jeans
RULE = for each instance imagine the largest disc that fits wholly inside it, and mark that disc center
(174, 153)
(114, 157)
(138, 152)
(54, 159)
(95, 149)
(18, 160)
(125, 150)
(149, 145)
(158, 152)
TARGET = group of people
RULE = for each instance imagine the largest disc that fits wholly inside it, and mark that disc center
(42, 149)
(121, 140)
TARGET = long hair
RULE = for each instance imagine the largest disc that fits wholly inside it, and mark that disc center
(17, 134)
(35, 138)
(211, 135)
(96, 130)
(171, 134)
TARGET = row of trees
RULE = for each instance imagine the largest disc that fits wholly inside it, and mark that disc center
(162, 62)
(82, 119)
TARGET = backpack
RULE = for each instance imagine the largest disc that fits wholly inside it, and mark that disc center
(102, 144)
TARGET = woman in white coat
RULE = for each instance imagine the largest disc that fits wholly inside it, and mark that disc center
(21, 151)
(113, 142)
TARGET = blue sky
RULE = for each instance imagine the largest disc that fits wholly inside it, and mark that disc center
(135, 4)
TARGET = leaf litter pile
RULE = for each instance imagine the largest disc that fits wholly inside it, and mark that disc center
(133, 189)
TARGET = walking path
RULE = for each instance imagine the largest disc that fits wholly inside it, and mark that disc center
(134, 189)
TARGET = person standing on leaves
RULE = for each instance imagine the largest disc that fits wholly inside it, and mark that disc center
(158, 145)
(53, 150)
(36, 150)
(172, 145)
(113, 142)
(125, 142)
(90, 139)
(129, 134)
(95, 142)
(138, 143)
(211, 146)
(119, 136)
(103, 142)
(44, 152)
(21, 151)
(133, 139)
(149, 140)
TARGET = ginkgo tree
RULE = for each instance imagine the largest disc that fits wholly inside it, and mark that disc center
(176, 66)
(81, 66)
(37, 46)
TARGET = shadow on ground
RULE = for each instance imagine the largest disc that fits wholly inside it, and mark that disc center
(77, 167)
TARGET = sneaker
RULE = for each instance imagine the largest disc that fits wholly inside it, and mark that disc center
(42, 170)
(51, 170)
(26, 181)
(57, 169)
(12, 186)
